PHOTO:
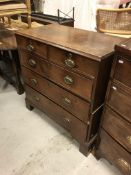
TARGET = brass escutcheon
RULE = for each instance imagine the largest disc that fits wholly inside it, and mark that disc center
(68, 80)
(129, 139)
(124, 164)
(32, 63)
(30, 47)
(67, 101)
(34, 82)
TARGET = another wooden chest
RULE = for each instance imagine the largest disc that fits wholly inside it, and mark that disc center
(66, 72)
(115, 132)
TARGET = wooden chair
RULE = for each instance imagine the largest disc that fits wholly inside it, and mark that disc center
(9, 8)
(117, 21)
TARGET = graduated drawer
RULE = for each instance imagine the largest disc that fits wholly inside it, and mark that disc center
(31, 46)
(114, 153)
(77, 128)
(123, 70)
(68, 101)
(119, 98)
(71, 81)
(73, 61)
(117, 127)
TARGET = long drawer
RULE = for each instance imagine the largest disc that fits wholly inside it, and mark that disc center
(73, 61)
(114, 153)
(119, 98)
(70, 102)
(77, 128)
(31, 46)
(73, 82)
(123, 70)
(117, 127)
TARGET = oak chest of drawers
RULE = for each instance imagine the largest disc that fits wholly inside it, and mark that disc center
(66, 71)
(115, 132)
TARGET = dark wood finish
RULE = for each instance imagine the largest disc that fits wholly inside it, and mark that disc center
(74, 62)
(121, 74)
(115, 129)
(112, 151)
(8, 50)
(119, 99)
(75, 67)
(32, 46)
(67, 100)
(61, 76)
(62, 117)
(82, 42)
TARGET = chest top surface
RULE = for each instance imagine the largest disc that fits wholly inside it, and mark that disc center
(87, 43)
(124, 47)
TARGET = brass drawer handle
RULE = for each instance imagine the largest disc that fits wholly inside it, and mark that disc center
(67, 101)
(124, 164)
(30, 47)
(129, 139)
(68, 80)
(37, 99)
(70, 63)
(32, 63)
(67, 120)
(34, 82)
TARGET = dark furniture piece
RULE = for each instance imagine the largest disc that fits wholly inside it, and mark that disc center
(66, 71)
(115, 132)
(10, 69)
(67, 20)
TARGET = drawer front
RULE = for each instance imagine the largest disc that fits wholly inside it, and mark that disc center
(120, 100)
(73, 82)
(77, 128)
(73, 61)
(33, 62)
(31, 46)
(123, 71)
(68, 101)
(118, 128)
(114, 153)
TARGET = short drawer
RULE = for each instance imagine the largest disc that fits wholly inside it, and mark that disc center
(71, 81)
(123, 71)
(73, 61)
(68, 101)
(31, 46)
(117, 127)
(119, 98)
(114, 153)
(77, 128)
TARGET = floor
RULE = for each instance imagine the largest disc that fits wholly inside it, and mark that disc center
(32, 144)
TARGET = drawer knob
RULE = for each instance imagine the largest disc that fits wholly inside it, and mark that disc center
(32, 63)
(34, 82)
(124, 164)
(68, 80)
(67, 101)
(129, 139)
(70, 63)
(30, 47)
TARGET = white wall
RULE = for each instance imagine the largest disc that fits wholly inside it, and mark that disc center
(84, 11)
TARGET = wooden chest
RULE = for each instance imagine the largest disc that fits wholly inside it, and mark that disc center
(66, 72)
(115, 132)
